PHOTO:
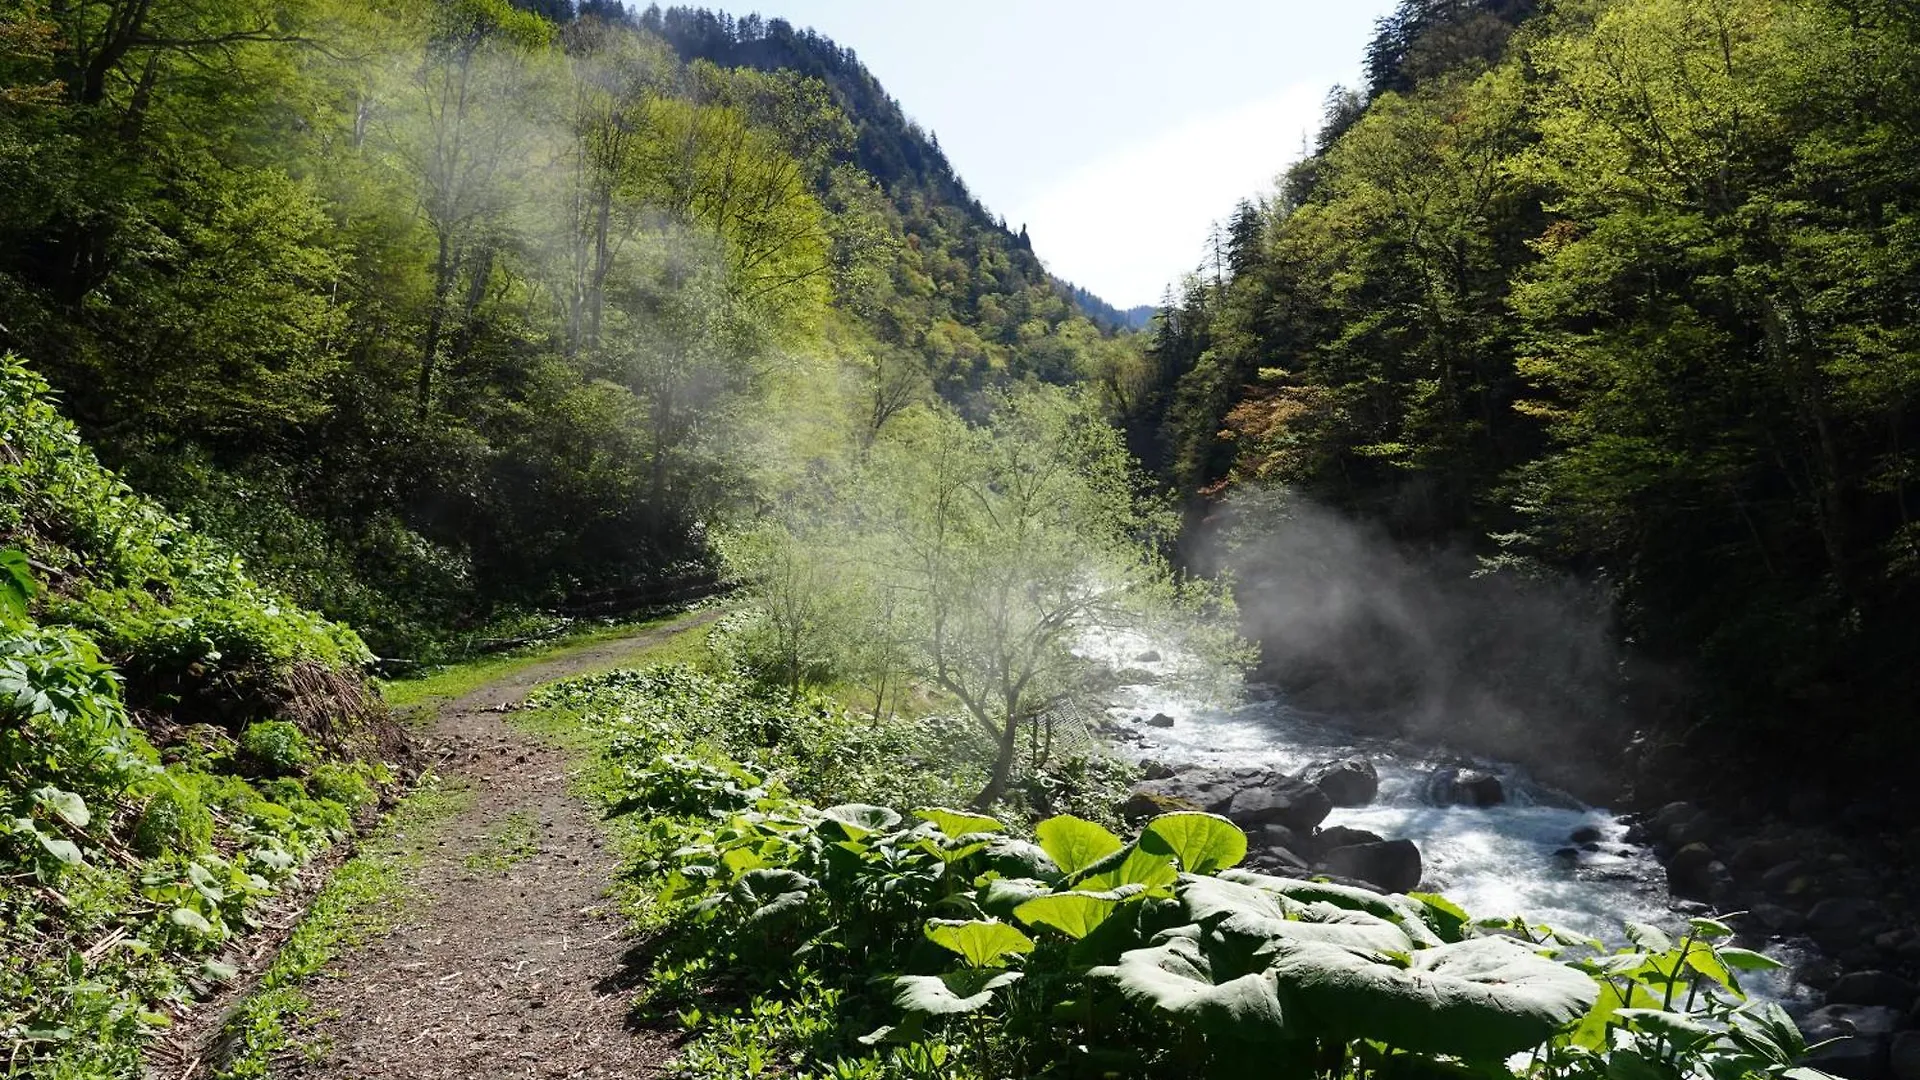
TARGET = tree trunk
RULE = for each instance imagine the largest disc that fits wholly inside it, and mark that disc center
(1002, 766)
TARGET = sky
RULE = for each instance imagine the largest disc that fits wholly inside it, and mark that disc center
(1117, 131)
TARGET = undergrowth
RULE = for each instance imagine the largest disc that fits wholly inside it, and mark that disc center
(175, 742)
(794, 923)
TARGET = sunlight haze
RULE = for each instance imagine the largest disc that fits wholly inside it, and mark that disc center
(1116, 132)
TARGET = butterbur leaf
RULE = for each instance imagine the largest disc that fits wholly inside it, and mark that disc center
(189, 919)
(1447, 919)
(1710, 929)
(952, 993)
(1592, 1032)
(16, 583)
(1481, 999)
(1409, 915)
(858, 820)
(958, 822)
(1075, 914)
(1203, 843)
(1019, 859)
(1002, 896)
(64, 851)
(770, 894)
(71, 807)
(1210, 899)
(1176, 978)
(1074, 843)
(1130, 866)
(1679, 1030)
(981, 943)
(1648, 938)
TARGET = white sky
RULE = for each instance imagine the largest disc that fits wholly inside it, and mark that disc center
(1116, 131)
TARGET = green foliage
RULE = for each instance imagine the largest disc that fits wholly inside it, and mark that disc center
(161, 854)
(853, 940)
(275, 748)
(1613, 293)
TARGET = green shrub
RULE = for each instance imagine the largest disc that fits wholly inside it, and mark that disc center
(172, 819)
(275, 748)
(344, 783)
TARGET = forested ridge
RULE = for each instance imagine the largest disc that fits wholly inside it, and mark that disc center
(1615, 289)
(445, 311)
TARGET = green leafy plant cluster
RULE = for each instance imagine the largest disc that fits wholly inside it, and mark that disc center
(175, 612)
(126, 870)
(855, 941)
(170, 750)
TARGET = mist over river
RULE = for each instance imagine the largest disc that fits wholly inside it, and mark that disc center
(1517, 858)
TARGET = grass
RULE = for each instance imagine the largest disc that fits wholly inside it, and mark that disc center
(364, 898)
(445, 683)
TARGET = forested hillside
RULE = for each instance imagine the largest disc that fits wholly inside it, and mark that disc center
(442, 310)
(1618, 288)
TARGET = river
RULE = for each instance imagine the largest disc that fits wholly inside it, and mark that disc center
(1518, 858)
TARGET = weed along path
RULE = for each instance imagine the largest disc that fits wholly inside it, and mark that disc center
(506, 961)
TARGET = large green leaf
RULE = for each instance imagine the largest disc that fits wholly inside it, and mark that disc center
(1210, 899)
(1002, 895)
(958, 822)
(955, 992)
(1075, 914)
(68, 805)
(1483, 998)
(859, 820)
(1330, 925)
(1176, 978)
(1075, 843)
(1447, 919)
(1019, 859)
(981, 943)
(1403, 912)
(1203, 843)
(767, 895)
(1130, 866)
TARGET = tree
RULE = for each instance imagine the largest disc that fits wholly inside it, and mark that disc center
(998, 547)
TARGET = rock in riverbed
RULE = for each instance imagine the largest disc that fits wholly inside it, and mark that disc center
(1393, 865)
(1250, 796)
(1350, 781)
(1465, 787)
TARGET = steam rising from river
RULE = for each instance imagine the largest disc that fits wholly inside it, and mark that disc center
(1522, 666)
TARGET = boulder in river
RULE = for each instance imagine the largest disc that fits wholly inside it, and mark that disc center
(1865, 1034)
(1690, 872)
(1338, 836)
(1465, 787)
(1873, 988)
(1393, 865)
(1840, 922)
(1249, 797)
(1586, 834)
(1151, 656)
(1160, 719)
(1350, 781)
(1151, 769)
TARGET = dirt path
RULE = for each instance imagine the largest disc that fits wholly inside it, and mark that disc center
(509, 963)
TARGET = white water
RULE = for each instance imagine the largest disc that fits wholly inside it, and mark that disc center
(1496, 862)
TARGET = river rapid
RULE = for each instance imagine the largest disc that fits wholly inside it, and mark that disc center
(1518, 858)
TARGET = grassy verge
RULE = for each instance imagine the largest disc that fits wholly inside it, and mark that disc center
(421, 691)
(365, 897)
